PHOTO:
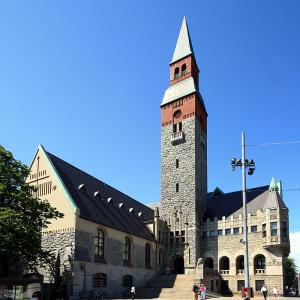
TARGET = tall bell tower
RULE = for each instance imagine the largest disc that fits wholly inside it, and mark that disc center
(183, 156)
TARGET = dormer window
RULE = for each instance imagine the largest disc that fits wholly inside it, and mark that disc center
(183, 69)
(176, 72)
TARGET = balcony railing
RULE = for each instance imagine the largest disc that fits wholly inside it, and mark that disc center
(240, 271)
(177, 137)
(224, 271)
(260, 271)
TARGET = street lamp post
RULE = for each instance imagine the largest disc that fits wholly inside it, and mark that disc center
(244, 163)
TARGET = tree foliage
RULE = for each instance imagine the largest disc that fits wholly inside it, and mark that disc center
(290, 269)
(22, 216)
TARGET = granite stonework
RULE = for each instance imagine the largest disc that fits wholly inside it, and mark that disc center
(274, 249)
(86, 266)
(191, 177)
(60, 242)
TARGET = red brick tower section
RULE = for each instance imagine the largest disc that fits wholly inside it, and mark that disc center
(189, 105)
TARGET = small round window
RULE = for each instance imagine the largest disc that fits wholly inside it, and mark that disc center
(177, 114)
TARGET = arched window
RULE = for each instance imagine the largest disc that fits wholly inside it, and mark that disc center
(99, 280)
(99, 243)
(240, 264)
(176, 72)
(259, 264)
(127, 280)
(147, 256)
(126, 249)
(183, 69)
(209, 263)
(224, 265)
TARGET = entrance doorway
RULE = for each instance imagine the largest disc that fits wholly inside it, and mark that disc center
(179, 265)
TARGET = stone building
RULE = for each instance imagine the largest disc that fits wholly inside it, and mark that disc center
(115, 241)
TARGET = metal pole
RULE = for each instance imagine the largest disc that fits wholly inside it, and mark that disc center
(246, 260)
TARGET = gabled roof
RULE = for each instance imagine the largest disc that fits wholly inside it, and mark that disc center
(96, 207)
(228, 204)
(184, 45)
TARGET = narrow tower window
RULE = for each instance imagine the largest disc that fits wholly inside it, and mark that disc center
(176, 73)
(177, 163)
(174, 128)
(183, 69)
(177, 187)
(180, 126)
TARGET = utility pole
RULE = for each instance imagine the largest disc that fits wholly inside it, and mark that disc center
(244, 163)
(246, 258)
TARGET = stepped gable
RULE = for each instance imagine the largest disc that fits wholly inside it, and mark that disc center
(232, 203)
(96, 208)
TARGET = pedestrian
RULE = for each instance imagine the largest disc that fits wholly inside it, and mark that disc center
(195, 291)
(264, 290)
(132, 292)
(202, 291)
(275, 292)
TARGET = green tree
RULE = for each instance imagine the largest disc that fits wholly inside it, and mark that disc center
(22, 216)
(290, 269)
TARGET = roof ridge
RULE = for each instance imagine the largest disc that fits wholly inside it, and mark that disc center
(263, 187)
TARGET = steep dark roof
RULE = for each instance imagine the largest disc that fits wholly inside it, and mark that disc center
(96, 208)
(231, 203)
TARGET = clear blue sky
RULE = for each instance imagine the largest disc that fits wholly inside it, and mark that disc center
(86, 78)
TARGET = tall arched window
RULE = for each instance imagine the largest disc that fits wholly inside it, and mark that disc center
(183, 69)
(259, 264)
(240, 264)
(99, 243)
(176, 72)
(147, 256)
(126, 249)
(224, 265)
(99, 280)
(209, 263)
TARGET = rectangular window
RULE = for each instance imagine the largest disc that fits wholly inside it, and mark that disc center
(174, 128)
(264, 230)
(240, 284)
(212, 233)
(227, 231)
(177, 187)
(254, 228)
(236, 230)
(177, 163)
(220, 231)
(258, 285)
(284, 230)
(273, 228)
(204, 234)
(171, 238)
(180, 126)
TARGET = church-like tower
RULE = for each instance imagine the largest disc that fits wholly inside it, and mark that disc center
(183, 156)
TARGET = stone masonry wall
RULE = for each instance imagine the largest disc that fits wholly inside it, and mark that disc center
(58, 241)
(192, 185)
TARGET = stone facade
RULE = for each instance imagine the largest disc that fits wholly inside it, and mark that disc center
(189, 174)
(224, 238)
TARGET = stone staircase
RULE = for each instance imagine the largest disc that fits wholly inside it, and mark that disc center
(170, 287)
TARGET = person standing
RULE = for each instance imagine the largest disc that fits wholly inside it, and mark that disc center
(202, 291)
(264, 290)
(195, 290)
(275, 292)
(132, 292)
